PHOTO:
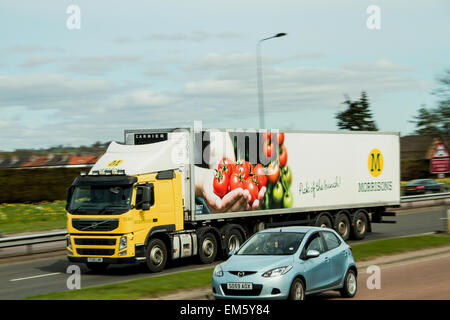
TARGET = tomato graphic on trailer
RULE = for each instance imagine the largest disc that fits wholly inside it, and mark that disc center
(274, 178)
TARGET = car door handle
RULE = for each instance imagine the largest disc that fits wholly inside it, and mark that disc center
(327, 259)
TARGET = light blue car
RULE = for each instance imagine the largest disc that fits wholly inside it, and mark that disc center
(287, 263)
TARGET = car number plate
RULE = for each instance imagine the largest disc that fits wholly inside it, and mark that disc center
(94, 259)
(239, 286)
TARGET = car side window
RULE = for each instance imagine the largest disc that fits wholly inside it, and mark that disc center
(331, 240)
(315, 243)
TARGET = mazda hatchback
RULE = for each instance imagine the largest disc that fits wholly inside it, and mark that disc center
(287, 263)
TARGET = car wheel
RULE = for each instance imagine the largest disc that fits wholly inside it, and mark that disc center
(350, 285)
(342, 226)
(297, 291)
(207, 250)
(359, 230)
(323, 221)
(156, 255)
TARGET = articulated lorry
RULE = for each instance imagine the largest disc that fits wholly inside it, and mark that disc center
(166, 194)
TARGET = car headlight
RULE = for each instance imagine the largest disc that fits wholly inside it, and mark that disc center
(277, 272)
(123, 243)
(218, 271)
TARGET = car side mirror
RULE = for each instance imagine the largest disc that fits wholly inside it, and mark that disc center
(312, 254)
(232, 252)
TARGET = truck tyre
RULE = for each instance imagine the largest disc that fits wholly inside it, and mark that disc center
(342, 226)
(97, 267)
(233, 240)
(350, 285)
(156, 255)
(297, 291)
(361, 225)
(323, 221)
(207, 250)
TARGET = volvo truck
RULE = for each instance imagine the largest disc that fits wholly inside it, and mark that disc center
(167, 194)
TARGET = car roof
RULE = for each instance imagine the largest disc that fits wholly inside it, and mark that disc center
(304, 229)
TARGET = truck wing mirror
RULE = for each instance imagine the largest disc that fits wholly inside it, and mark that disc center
(147, 197)
(69, 193)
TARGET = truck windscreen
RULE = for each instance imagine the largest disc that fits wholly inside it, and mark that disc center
(100, 199)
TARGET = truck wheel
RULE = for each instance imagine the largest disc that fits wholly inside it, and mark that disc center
(207, 250)
(156, 255)
(342, 226)
(323, 221)
(359, 230)
(350, 285)
(97, 267)
(233, 240)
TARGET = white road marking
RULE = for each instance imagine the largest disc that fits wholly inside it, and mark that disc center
(38, 276)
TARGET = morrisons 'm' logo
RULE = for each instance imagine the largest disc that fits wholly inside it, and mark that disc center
(115, 163)
(375, 162)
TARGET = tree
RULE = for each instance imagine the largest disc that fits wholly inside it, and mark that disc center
(427, 121)
(357, 116)
(436, 120)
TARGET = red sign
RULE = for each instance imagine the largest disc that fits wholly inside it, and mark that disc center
(440, 165)
(440, 151)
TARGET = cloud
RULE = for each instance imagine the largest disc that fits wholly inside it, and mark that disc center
(38, 61)
(100, 64)
(194, 36)
(45, 91)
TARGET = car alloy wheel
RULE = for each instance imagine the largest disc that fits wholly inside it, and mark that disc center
(297, 290)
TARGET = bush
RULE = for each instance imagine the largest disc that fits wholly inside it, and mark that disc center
(36, 185)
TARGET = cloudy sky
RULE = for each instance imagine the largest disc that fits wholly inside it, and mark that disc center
(152, 64)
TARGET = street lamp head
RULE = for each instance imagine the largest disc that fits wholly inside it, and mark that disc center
(282, 34)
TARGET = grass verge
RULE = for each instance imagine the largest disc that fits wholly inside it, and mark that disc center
(23, 217)
(153, 286)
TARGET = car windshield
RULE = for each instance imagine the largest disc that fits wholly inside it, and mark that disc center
(420, 182)
(101, 198)
(272, 243)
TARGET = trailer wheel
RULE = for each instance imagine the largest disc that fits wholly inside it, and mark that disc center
(207, 250)
(342, 225)
(323, 221)
(233, 240)
(156, 255)
(361, 225)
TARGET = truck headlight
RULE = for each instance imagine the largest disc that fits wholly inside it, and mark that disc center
(123, 243)
(69, 243)
(277, 272)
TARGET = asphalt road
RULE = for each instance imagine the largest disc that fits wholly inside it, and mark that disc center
(427, 279)
(21, 279)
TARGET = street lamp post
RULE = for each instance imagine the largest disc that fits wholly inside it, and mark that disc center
(260, 79)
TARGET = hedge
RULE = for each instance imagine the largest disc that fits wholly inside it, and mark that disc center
(36, 185)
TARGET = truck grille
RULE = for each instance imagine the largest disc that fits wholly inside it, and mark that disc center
(95, 242)
(254, 292)
(95, 252)
(95, 224)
